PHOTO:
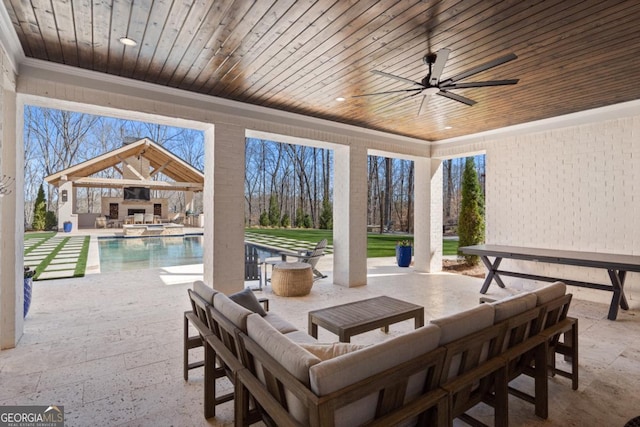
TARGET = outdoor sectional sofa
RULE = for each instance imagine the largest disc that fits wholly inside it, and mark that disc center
(428, 376)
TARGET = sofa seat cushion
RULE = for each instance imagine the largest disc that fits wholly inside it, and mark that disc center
(464, 323)
(509, 307)
(550, 292)
(339, 372)
(205, 292)
(248, 300)
(290, 355)
(329, 351)
(279, 323)
(301, 337)
(236, 313)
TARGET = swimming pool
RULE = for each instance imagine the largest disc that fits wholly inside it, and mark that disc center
(117, 254)
(149, 252)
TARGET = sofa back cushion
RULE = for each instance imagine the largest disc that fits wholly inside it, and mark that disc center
(509, 307)
(339, 372)
(235, 313)
(550, 292)
(205, 292)
(461, 324)
(464, 323)
(291, 356)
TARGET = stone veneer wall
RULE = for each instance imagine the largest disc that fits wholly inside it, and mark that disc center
(574, 188)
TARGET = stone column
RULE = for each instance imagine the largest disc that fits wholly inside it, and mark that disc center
(11, 218)
(428, 215)
(223, 204)
(350, 217)
(66, 209)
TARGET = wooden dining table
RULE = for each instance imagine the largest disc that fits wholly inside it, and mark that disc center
(617, 266)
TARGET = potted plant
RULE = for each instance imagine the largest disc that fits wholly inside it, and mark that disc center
(28, 284)
(403, 253)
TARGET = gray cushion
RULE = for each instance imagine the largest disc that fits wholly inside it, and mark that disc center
(248, 300)
(550, 292)
(509, 307)
(205, 292)
(299, 337)
(235, 313)
(464, 323)
(339, 372)
(291, 356)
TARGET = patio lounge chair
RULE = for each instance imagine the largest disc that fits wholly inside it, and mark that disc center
(252, 265)
(310, 257)
(138, 218)
(149, 219)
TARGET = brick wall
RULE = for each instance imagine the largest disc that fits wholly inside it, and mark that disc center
(572, 188)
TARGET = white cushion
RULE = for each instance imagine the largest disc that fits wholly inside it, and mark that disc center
(235, 313)
(205, 292)
(291, 356)
(339, 372)
(464, 323)
(509, 307)
(550, 292)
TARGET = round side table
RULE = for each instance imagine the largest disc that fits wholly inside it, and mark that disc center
(291, 279)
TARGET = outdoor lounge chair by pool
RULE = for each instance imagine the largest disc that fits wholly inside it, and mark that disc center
(310, 257)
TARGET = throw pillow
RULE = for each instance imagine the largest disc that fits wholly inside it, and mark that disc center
(248, 300)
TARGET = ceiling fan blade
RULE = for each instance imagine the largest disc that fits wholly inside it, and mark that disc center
(388, 92)
(423, 105)
(483, 67)
(456, 97)
(397, 101)
(438, 67)
(391, 76)
(480, 84)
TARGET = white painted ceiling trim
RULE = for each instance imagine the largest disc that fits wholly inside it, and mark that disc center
(610, 112)
(9, 40)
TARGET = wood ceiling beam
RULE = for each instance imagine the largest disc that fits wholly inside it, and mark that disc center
(120, 183)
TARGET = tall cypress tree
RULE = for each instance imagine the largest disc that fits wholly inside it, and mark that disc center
(39, 211)
(471, 218)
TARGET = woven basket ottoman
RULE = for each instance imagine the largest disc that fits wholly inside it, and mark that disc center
(291, 279)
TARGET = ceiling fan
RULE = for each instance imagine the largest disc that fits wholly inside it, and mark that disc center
(432, 84)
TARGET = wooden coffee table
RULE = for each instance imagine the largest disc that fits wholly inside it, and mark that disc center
(354, 318)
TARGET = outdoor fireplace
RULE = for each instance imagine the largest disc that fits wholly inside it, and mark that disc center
(135, 211)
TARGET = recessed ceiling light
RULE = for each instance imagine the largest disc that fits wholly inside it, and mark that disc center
(127, 41)
(340, 99)
(448, 127)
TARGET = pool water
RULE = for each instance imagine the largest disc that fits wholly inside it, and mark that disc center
(150, 252)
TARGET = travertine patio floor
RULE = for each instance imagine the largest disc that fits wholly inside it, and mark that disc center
(109, 347)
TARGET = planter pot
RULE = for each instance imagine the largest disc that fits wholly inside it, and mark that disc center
(403, 255)
(67, 227)
(28, 285)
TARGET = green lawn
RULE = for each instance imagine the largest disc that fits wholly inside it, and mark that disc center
(40, 266)
(378, 245)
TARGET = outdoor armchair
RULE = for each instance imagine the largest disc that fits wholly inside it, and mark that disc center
(310, 257)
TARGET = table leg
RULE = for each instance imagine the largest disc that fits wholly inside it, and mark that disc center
(313, 328)
(419, 319)
(492, 268)
(619, 299)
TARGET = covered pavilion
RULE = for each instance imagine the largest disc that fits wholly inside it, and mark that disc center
(140, 164)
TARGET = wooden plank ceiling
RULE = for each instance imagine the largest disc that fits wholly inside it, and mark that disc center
(301, 55)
